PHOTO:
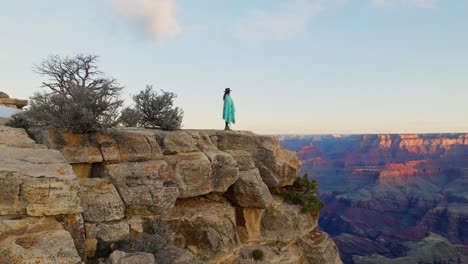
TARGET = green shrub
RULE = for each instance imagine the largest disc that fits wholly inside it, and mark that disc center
(157, 109)
(304, 192)
(257, 254)
(130, 117)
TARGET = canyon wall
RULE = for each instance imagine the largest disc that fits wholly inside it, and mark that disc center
(386, 194)
(148, 196)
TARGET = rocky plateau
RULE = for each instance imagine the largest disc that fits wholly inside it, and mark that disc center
(148, 196)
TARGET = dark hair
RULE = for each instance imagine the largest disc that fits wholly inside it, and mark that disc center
(226, 93)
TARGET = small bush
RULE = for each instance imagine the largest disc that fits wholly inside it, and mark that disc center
(130, 117)
(257, 254)
(157, 110)
(304, 192)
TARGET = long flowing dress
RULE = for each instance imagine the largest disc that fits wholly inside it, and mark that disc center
(229, 110)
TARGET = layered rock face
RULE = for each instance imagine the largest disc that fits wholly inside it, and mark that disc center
(383, 191)
(38, 191)
(153, 197)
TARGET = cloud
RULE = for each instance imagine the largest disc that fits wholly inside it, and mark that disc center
(156, 18)
(283, 24)
(408, 3)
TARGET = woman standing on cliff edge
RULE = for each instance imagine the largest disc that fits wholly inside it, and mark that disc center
(229, 110)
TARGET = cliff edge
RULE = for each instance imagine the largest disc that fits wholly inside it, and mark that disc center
(148, 196)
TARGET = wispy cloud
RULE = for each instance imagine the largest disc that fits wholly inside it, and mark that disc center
(288, 21)
(407, 3)
(156, 18)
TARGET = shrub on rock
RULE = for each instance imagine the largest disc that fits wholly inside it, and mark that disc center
(304, 192)
(157, 109)
(130, 117)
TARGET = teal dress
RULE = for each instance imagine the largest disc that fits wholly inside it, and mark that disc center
(229, 110)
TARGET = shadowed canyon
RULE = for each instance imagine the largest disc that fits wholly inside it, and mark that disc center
(391, 198)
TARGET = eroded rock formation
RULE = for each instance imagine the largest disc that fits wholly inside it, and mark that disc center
(384, 191)
(148, 195)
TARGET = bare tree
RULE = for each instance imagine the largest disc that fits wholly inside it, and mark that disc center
(78, 97)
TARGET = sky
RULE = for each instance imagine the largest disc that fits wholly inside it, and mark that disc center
(295, 66)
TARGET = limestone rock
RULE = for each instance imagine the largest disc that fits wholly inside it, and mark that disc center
(4, 117)
(250, 191)
(120, 257)
(35, 240)
(282, 222)
(108, 147)
(179, 142)
(204, 140)
(249, 224)
(50, 196)
(100, 201)
(243, 158)
(204, 227)
(225, 170)
(4, 95)
(76, 148)
(137, 147)
(74, 224)
(278, 167)
(82, 154)
(192, 172)
(145, 187)
(109, 232)
(83, 170)
(318, 247)
(16, 137)
(36, 182)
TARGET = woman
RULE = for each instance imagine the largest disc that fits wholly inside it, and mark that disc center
(228, 109)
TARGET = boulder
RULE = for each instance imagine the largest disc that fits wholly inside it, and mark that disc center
(179, 142)
(204, 140)
(100, 201)
(243, 158)
(137, 147)
(17, 138)
(318, 247)
(225, 170)
(120, 257)
(76, 148)
(4, 95)
(286, 222)
(192, 172)
(35, 240)
(249, 191)
(278, 167)
(204, 227)
(145, 187)
(36, 182)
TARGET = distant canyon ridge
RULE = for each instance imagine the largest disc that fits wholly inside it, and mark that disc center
(391, 198)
